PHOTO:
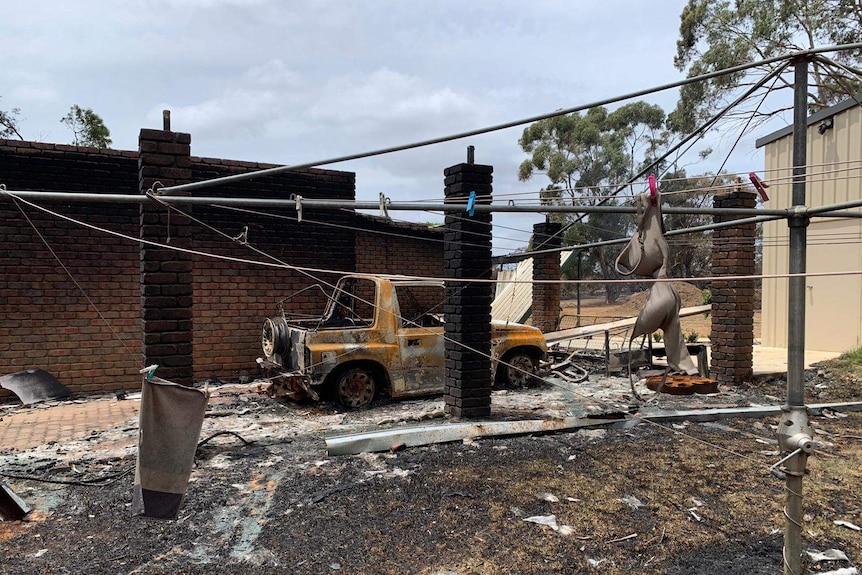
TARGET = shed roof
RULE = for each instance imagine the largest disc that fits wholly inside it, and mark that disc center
(812, 119)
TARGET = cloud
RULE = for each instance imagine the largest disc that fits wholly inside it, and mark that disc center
(387, 102)
(258, 105)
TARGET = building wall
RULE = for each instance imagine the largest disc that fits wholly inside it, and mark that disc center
(46, 321)
(231, 299)
(386, 247)
(833, 319)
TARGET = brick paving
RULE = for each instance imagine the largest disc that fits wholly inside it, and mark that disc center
(27, 427)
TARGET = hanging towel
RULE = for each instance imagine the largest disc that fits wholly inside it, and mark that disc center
(170, 427)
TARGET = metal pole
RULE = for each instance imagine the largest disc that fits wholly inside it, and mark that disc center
(794, 431)
(314, 204)
(578, 323)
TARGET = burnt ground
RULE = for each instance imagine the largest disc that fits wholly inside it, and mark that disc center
(680, 499)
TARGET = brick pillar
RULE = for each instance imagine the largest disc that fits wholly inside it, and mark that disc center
(546, 297)
(166, 275)
(732, 334)
(467, 254)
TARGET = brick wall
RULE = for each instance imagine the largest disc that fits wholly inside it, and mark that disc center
(546, 296)
(387, 247)
(45, 320)
(732, 313)
(468, 305)
(232, 299)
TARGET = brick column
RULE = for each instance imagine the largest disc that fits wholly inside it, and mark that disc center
(166, 275)
(546, 297)
(732, 334)
(467, 254)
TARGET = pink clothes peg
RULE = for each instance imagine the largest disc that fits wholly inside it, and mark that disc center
(759, 185)
(652, 189)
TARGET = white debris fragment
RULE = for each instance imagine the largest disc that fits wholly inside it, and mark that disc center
(548, 520)
(847, 524)
(632, 501)
(549, 497)
(828, 555)
(592, 433)
(842, 571)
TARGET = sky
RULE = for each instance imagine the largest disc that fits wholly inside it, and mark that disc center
(296, 81)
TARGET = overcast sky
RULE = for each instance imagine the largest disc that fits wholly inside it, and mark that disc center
(299, 81)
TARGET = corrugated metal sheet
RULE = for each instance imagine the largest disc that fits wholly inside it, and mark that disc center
(514, 301)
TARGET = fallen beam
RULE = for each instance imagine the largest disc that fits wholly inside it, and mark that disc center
(416, 436)
(593, 330)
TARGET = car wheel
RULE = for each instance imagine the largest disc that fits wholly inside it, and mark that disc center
(356, 388)
(520, 369)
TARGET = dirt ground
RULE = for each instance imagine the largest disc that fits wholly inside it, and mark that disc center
(682, 498)
(595, 310)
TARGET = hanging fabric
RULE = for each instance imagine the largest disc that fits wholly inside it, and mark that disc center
(170, 426)
(646, 255)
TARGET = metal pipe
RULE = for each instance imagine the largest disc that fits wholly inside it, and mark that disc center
(834, 207)
(362, 205)
(798, 223)
(760, 215)
(477, 132)
(580, 257)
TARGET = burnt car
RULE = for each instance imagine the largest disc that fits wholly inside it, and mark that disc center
(380, 335)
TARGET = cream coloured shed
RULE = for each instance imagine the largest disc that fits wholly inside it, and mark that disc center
(833, 320)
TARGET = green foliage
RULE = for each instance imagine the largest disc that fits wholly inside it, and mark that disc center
(718, 34)
(9, 124)
(656, 337)
(88, 127)
(847, 366)
(584, 156)
(690, 255)
(706, 296)
(692, 337)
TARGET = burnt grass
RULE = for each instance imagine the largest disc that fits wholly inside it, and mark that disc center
(690, 498)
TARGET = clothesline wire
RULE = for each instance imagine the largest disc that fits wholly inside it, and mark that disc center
(301, 269)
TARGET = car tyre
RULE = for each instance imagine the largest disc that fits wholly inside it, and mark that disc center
(356, 388)
(520, 369)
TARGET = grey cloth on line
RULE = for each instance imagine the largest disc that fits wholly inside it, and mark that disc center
(170, 426)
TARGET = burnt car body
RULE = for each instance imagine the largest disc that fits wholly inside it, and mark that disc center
(380, 334)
